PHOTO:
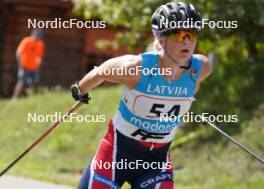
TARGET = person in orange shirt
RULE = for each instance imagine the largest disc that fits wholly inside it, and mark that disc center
(29, 56)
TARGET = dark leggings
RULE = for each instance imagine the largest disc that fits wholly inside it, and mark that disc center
(115, 147)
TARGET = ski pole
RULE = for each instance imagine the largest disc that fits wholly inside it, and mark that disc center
(72, 109)
(234, 141)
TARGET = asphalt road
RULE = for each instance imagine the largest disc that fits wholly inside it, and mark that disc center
(12, 182)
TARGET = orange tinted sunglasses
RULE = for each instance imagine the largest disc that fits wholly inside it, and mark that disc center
(180, 35)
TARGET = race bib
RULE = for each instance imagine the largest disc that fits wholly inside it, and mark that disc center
(152, 107)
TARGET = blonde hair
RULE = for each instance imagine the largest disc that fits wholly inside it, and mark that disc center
(155, 46)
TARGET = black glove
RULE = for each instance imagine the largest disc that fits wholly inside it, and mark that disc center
(77, 95)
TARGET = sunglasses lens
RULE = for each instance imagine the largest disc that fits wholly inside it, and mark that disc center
(175, 37)
(192, 36)
(180, 35)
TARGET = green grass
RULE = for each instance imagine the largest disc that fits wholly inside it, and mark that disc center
(62, 155)
(60, 158)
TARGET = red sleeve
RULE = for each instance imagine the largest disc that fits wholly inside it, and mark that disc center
(41, 49)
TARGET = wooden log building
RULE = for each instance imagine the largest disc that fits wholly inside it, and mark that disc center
(69, 53)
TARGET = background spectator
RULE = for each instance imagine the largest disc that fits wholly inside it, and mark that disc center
(29, 57)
